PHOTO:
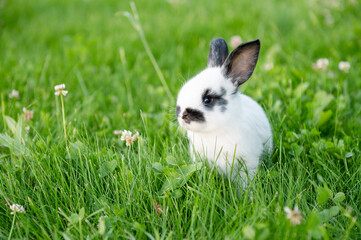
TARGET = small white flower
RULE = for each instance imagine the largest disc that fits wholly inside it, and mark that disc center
(344, 66)
(27, 129)
(128, 137)
(16, 208)
(117, 132)
(268, 66)
(28, 115)
(321, 64)
(59, 89)
(295, 215)
(235, 41)
(14, 94)
(126, 134)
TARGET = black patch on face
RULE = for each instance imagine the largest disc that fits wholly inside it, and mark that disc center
(190, 115)
(211, 99)
(177, 110)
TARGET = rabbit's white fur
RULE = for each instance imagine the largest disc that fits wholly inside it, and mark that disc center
(230, 136)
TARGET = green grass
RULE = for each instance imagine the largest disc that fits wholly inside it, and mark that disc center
(92, 186)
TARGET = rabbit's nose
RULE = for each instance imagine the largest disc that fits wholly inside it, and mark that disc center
(185, 115)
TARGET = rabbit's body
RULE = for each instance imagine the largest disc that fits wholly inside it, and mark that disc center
(233, 142)
(225, 127)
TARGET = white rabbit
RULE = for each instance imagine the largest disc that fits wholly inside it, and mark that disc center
(225, 127)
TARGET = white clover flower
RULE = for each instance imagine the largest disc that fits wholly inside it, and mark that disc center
(344, 66)
(126, 134)
(321, 64)
(117, 132)
(14, 94)
(59, 89)
(16, 208)
(63, 92)
(28, 115)
(235, 41)
(268, 66)
(128, 137)
(295, 215)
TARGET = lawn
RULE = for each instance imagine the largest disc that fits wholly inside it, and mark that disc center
(76, 179)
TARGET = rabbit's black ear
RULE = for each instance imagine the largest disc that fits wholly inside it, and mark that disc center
(241, 62)
(218, 52)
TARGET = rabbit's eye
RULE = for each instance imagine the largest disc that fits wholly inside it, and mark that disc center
(210, 99)
(207, 100)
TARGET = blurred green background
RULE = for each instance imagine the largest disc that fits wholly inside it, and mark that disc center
(315, 115)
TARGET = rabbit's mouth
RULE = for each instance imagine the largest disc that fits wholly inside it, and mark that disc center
(184, 123)
(188, 126)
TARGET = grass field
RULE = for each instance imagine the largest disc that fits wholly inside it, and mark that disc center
(77, 180)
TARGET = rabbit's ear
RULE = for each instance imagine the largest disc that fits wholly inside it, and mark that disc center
(241, 62)
(218, 52)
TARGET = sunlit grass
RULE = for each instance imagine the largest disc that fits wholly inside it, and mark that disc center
(91, 184)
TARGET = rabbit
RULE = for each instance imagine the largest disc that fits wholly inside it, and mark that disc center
(228, 129)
